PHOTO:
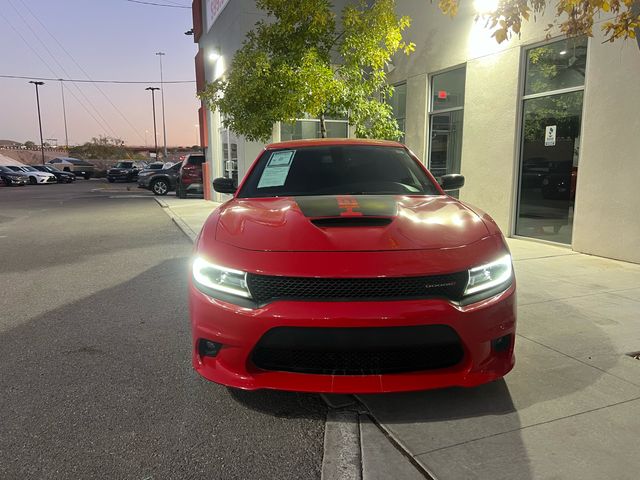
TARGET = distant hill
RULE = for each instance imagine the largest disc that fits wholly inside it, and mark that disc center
(9, 143)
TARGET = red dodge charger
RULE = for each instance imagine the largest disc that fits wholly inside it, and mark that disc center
(343, 266)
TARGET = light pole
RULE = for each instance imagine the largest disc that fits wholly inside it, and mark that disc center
(153, 104)
(39, 117)
(164, 126)
(64, 114)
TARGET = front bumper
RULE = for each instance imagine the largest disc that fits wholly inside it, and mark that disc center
(51, 179)
(240, 329)
(120, 177)
(144, 182)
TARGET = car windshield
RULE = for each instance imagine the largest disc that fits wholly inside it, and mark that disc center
(124, 165)
(337, 170)
(29, 169)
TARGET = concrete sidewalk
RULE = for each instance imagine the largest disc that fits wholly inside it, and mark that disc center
(570, 408)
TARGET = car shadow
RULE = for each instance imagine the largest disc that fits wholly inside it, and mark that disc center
(280, 404)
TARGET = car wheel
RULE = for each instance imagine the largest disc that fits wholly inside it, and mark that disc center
(87, 176)
(66, 169)
(180, 191)
(33, 181)
(159, 187)
(111, 180)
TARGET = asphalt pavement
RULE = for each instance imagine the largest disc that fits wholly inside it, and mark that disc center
(95, 373)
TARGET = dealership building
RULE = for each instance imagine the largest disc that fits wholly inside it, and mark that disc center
(546, 131)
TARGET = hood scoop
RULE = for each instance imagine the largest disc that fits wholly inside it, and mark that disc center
(351, 221)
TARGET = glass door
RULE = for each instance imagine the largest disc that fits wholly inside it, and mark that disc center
(551, 122)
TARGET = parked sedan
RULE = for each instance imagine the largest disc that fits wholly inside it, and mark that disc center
(11, 178)
(160, 182)
(61, 177)
(35, 176)
(125, 171)
(343, 266)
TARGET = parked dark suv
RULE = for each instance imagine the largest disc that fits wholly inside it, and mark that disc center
(160, 182)
(190, 179)
(126, 171)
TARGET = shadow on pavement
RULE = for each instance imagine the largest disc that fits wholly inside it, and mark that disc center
(103, 388)
(279, 403)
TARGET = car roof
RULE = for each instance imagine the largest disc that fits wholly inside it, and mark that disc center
(75, 161)
(315, 142)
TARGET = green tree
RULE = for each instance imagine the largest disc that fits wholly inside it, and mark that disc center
(29, 144)
(573, 17)
(298, 63)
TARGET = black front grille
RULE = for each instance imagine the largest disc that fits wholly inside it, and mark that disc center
(268, 288)
(358, 351)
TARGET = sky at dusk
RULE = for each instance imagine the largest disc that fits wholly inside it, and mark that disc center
(106, 40)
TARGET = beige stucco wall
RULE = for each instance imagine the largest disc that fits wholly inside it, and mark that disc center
(489, 134)
(608, 189)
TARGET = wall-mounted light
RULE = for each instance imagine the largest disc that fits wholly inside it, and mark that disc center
(214, 56)
(563, 52)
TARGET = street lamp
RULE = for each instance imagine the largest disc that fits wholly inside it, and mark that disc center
(39, 117)
(164, 126)
(153, 105)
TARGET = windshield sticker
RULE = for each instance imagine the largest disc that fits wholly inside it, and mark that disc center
(277, 169)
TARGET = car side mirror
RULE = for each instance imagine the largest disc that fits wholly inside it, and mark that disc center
(453, 181)
(224, 185)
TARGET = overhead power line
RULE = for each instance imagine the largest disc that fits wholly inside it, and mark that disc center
(28, 44)
(61, 67)
(74, 80)
(115, 107)
(159, 4)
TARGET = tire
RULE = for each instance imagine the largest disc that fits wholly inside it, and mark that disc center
(33, 181)
(180, 192)
(87, 176)
(111, 180)
(160, 187)
(66, 169)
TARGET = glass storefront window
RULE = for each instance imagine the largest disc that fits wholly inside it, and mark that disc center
(304, 129)
(446, 114)
(398, 102)
(446, 143)
(447, 90)
(556, 66)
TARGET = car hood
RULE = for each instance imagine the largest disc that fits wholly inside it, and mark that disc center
(39, 174)
(348, 223)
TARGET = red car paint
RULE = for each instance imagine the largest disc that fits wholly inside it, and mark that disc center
(428, 235)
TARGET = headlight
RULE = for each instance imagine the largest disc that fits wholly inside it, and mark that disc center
(219, 278)
(490, 275)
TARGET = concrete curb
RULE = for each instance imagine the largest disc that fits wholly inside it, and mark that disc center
(342, 453)
(182, 225)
